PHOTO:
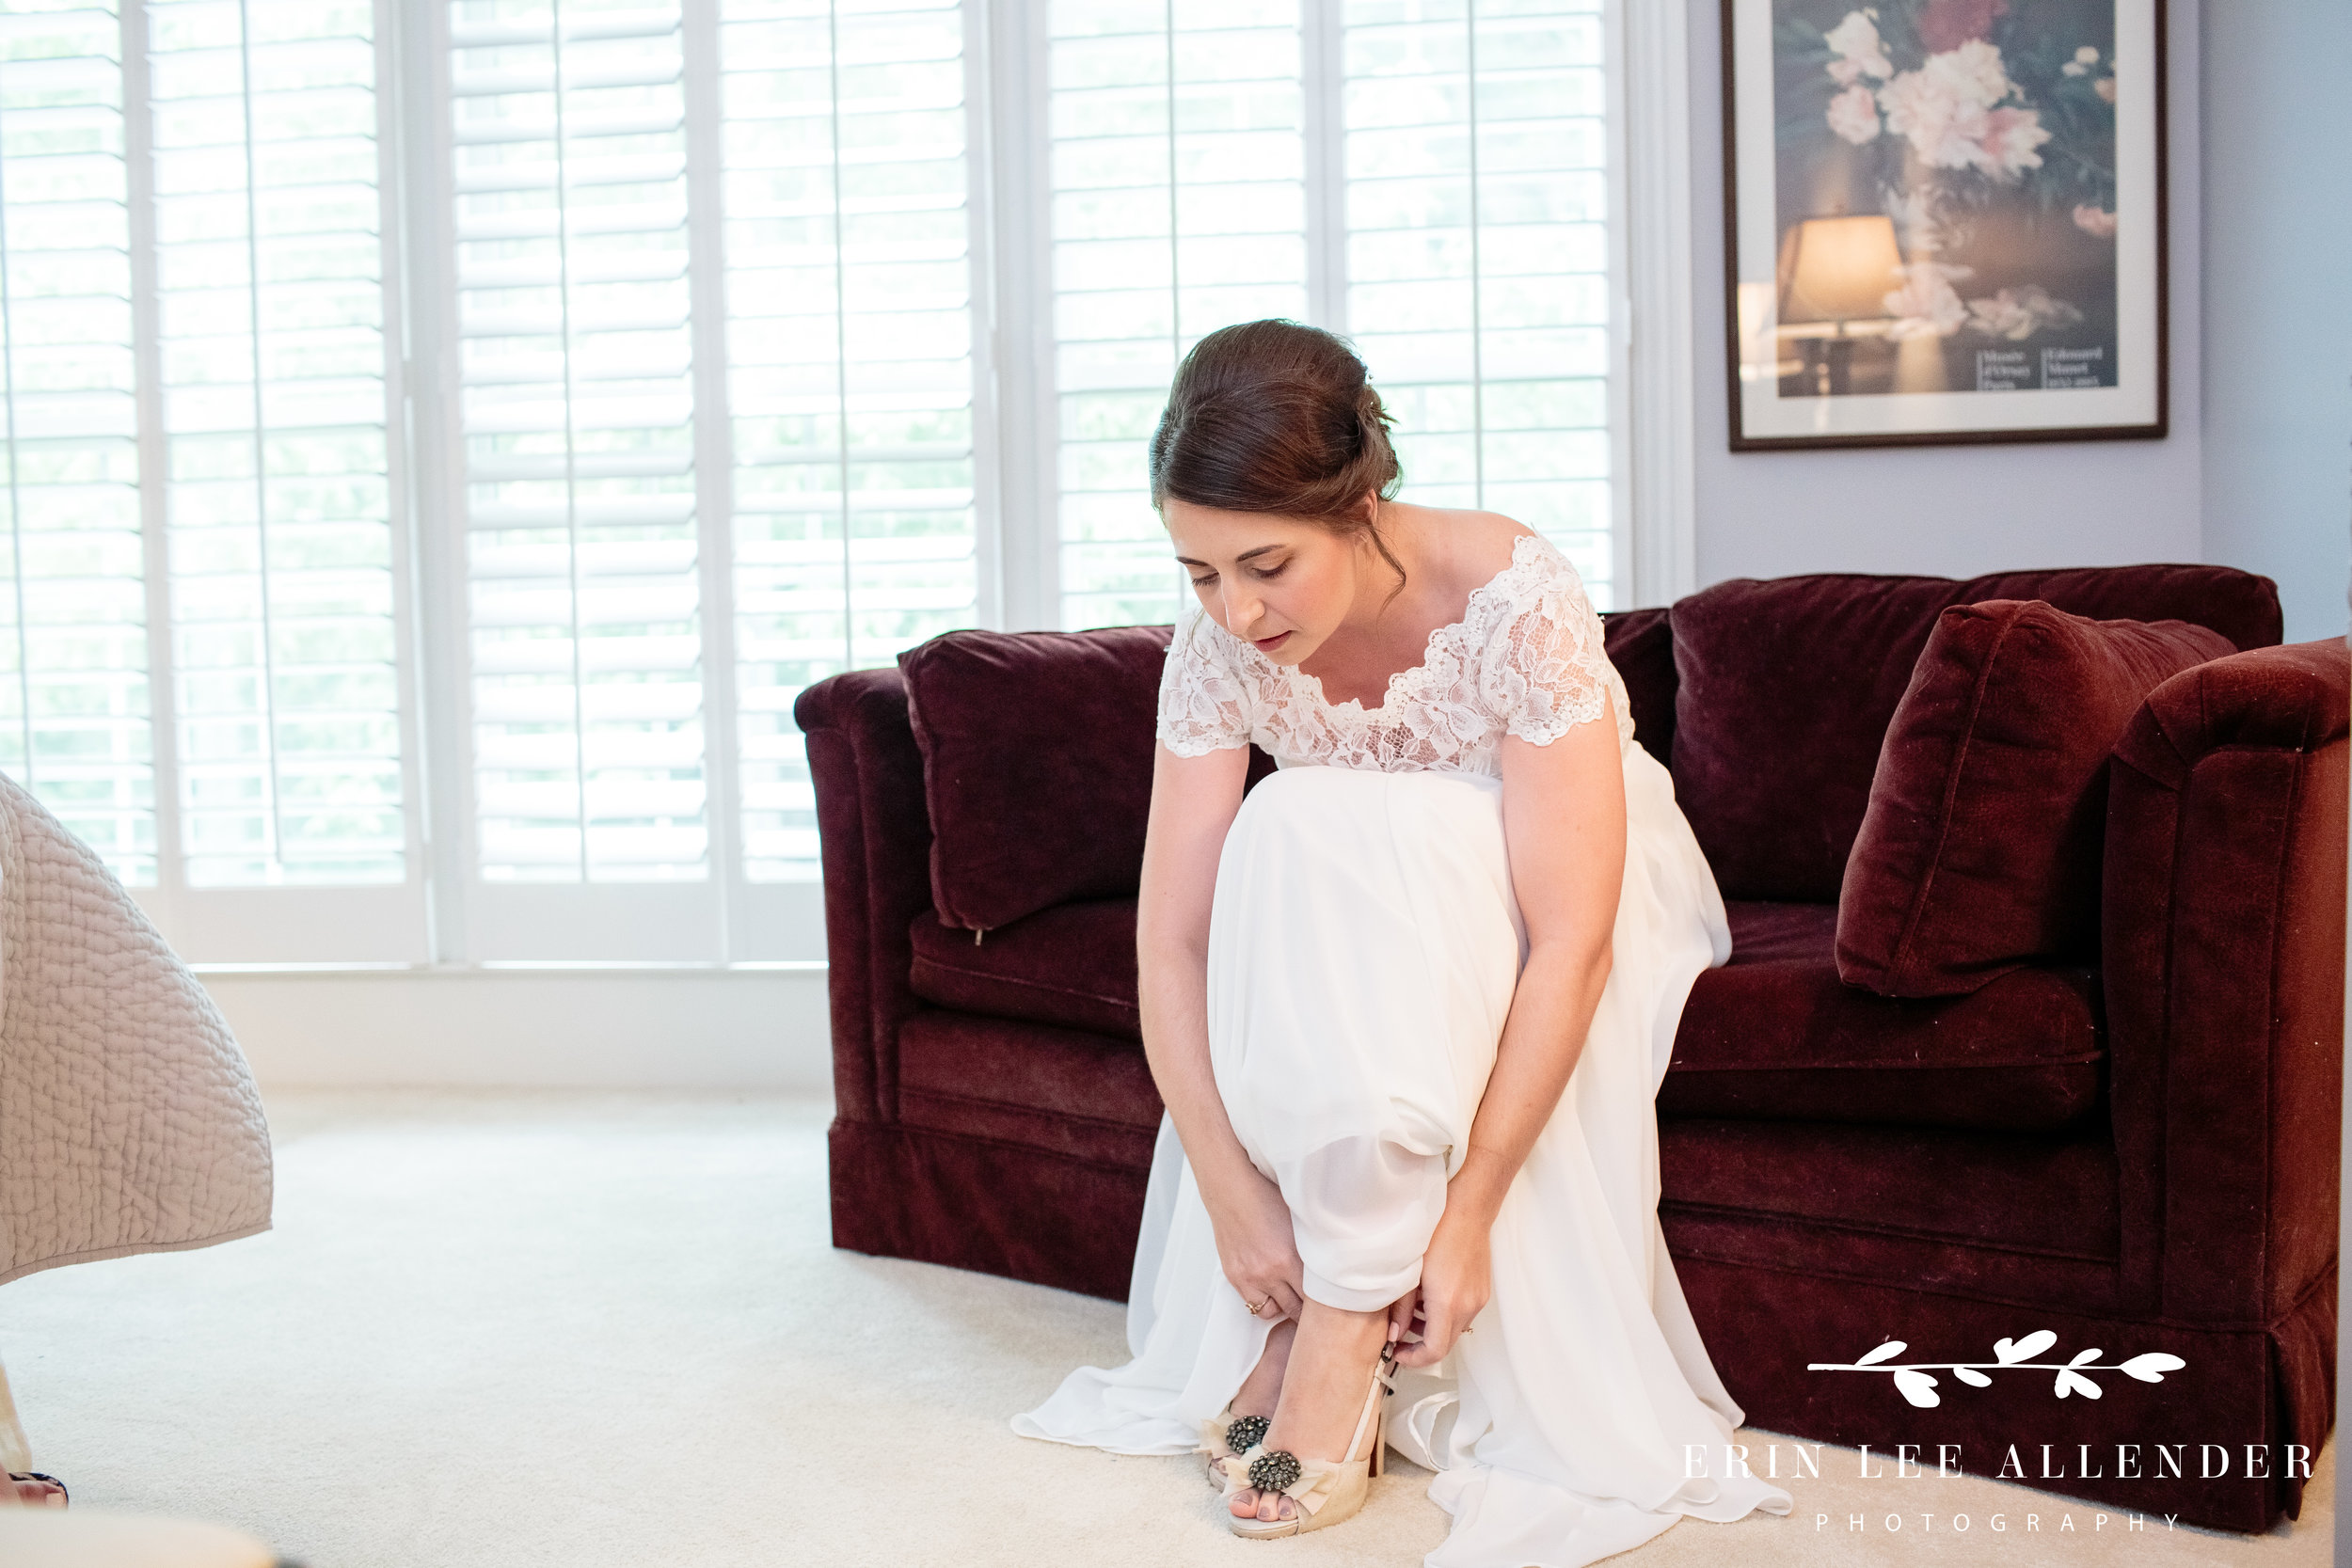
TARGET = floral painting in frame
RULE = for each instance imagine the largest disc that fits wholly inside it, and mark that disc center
(1944, 221)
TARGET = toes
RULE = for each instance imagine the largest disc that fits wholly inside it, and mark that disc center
(38, 1493)
(1244, 1503)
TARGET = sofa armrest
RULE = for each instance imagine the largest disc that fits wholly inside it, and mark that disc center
(2223, 934)
(876, 840)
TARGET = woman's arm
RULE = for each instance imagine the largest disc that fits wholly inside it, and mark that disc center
(1193, 803)
(1564, 826)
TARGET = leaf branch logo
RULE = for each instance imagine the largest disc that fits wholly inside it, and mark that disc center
(1913, 1382)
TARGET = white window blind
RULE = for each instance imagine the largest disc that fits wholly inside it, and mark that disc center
(850, 342)
(1177, 149)
(204, 672)
(1456, 226)
(270, 310)
(1477, 255)
(838, 398)
(576, 363)
(564, 417)
(74, 695)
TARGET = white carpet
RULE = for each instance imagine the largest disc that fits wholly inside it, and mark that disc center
(586, 1331)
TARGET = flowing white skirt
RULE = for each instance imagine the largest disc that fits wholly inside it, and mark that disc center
(1363, 946)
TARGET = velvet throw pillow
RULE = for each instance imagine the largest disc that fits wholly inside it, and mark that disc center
(1980, 848)
(1785, 688)
(1037, 764)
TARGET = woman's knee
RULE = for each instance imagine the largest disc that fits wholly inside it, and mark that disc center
(1310, 807)
(1362, 1210)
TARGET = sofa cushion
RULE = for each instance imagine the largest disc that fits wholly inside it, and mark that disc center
(1073, 965)
(1784, 688)
(1074, 1093)
(1775, 1034)
(2054, 1196)
(1979, 849)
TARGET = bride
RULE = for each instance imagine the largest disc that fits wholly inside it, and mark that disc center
(1408, 1002)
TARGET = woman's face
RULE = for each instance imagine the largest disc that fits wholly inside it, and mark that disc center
(1278, 583)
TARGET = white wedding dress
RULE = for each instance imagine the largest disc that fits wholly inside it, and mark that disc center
(1363, 946)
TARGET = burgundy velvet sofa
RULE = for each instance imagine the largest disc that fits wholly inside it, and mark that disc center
(2130, 1141)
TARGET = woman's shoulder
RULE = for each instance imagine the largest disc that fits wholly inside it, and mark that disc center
(1522, 569)
(1536, 606)
(1478, 545)
(1505, 562)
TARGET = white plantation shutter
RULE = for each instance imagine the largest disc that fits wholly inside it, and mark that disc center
(203, 668)
(270, 310)
(812, 464)
(575, 361)
(1429, 177)
(687, 351)
(73, 654)
(1177, 166)
(850, 342)
(1478, 255)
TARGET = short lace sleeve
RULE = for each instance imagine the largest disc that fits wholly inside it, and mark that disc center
(1203, 706)
(1544, 669)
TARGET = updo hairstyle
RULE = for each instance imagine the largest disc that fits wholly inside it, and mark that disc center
(1272, 416)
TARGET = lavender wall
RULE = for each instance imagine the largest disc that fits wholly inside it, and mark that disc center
(1950, 511)
(2278, 264)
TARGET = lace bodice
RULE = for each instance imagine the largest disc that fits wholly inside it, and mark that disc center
(1524, 660)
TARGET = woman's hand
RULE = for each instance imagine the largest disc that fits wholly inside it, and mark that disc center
(1255, 1243)
(1456, 1277)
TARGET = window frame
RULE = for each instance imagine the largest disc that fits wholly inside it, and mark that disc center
(302, 924)
(725, 919)
(445, 914)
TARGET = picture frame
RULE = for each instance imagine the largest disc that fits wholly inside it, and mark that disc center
(1999, 167)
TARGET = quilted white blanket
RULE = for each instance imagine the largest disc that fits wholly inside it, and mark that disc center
(129, 1121)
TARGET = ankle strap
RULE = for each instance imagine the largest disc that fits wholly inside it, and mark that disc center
(1382, 1381)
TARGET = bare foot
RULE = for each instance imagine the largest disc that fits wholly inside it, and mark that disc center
(34, 1492)
(1330, 1364)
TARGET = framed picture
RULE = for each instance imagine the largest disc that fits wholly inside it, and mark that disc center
(1944, 221)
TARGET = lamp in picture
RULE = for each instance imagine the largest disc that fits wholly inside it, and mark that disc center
(1838, 272)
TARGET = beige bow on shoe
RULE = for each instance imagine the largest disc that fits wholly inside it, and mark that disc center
(1316, 1482)
(1326, 1491)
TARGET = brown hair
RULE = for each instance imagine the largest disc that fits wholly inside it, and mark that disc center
(1271, 416)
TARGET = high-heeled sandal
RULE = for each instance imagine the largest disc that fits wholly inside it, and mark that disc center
(1224, 1435)
(1326, 1491)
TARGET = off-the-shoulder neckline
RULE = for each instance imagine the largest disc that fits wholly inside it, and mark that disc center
(1312, 685)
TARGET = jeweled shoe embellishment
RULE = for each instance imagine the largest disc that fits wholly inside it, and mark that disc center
(1274, 1469)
